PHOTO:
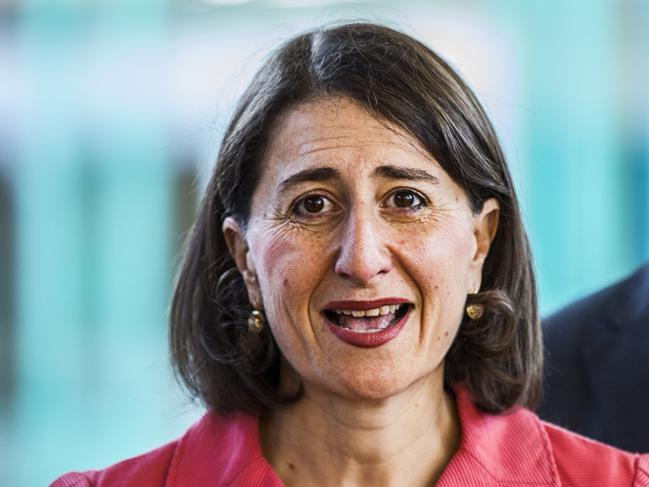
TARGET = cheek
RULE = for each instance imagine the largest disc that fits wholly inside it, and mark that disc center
(439, 264)
(439, 254)
(288, 268)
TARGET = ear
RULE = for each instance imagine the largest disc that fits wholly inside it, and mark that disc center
(485, 226)
(235, 239)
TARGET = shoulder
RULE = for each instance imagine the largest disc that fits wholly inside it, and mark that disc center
(518, 448)
(627, 296)
(149, 469)
(582, 461)
(217, 450)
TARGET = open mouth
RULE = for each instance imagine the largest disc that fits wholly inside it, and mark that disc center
(370, 320)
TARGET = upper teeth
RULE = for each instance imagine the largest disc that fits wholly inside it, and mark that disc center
(382, 310)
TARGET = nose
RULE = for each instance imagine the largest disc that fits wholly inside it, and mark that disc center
(363, 254)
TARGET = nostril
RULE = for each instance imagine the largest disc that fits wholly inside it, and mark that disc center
(362, 271)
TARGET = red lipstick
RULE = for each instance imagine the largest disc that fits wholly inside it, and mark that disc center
(367, 339)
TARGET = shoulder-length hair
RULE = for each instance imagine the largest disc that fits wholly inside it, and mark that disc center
(396, 78)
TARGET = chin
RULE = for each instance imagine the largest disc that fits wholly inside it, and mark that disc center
(375, 386)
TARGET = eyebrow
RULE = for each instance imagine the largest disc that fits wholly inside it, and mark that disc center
(328, 173)
(396, 172)
(319, 174)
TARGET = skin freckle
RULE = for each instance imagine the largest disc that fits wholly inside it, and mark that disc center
(359, 249)
(446, 334)
(291, 466)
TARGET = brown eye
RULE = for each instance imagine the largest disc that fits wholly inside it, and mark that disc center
(314, 204)
(404, 199)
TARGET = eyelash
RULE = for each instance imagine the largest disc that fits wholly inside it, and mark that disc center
(423, 201)
(296, 210)
(295, 206)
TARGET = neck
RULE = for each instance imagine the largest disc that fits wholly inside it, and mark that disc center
(325, 439)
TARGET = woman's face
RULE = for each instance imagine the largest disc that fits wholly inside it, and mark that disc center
(360, 250)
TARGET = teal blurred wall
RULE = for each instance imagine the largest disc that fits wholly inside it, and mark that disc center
(110, 119)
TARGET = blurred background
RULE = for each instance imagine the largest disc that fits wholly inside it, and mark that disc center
(111, 114)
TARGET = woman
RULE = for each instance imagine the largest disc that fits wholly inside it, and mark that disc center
(357, 303)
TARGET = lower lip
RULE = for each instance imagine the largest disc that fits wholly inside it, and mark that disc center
(369, 340)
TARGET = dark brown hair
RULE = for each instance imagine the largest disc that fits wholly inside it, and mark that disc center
(397, 79)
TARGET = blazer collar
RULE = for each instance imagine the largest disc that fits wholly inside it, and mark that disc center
(222, 451)
(510, 449)
(496, 450)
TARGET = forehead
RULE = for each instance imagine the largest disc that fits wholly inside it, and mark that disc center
(338, 131)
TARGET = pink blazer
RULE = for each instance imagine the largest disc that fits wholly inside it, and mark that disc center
(516, 449)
